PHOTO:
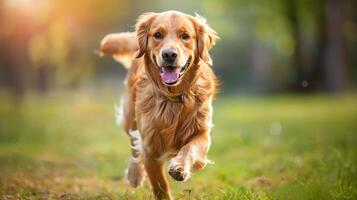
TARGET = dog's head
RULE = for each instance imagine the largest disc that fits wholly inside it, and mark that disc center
(173, 41)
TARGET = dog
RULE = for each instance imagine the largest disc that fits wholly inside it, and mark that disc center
(166, 108)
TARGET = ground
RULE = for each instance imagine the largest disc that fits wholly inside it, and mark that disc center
(66, 145)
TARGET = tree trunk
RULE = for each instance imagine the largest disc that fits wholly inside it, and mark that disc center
(301, 78)
(336, 55)
(318, 77)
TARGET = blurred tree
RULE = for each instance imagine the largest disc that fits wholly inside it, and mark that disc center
(336, 54)
(38, 51)
(318, 73)
(15, 35)
(292, 14)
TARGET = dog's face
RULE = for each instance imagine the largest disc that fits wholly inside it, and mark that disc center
(172, 41)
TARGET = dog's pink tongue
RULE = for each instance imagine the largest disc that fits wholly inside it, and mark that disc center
(170, 75)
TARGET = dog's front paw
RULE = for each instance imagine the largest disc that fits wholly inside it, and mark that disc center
(178, 171)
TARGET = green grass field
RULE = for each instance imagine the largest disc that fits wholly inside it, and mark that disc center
(67, 146)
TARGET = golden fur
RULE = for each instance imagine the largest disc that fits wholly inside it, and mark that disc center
(166, 121)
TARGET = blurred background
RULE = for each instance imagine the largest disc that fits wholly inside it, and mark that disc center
(265, 46)
(285, 115)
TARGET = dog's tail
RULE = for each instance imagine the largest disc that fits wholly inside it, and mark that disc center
(122, 46)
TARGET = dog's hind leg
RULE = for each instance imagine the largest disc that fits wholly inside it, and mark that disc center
(135, 172)
(125, 113)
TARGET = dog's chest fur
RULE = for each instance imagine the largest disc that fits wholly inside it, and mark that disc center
(166, 125)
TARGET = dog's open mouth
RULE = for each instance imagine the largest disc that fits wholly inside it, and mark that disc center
(171, 74)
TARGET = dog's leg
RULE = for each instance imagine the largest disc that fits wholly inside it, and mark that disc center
(125, 113)
(191, 156)
(156, 174)
(135, 172)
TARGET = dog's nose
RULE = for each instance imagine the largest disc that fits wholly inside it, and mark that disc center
(169, 55)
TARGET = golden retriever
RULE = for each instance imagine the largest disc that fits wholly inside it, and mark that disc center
(166, 108)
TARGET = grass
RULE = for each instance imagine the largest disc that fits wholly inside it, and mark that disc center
(66, 145)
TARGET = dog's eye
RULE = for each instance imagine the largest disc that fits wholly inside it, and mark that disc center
(185, 36)
(158, 35)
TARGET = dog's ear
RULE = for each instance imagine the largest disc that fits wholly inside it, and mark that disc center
(142, 28)
(206, 38)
